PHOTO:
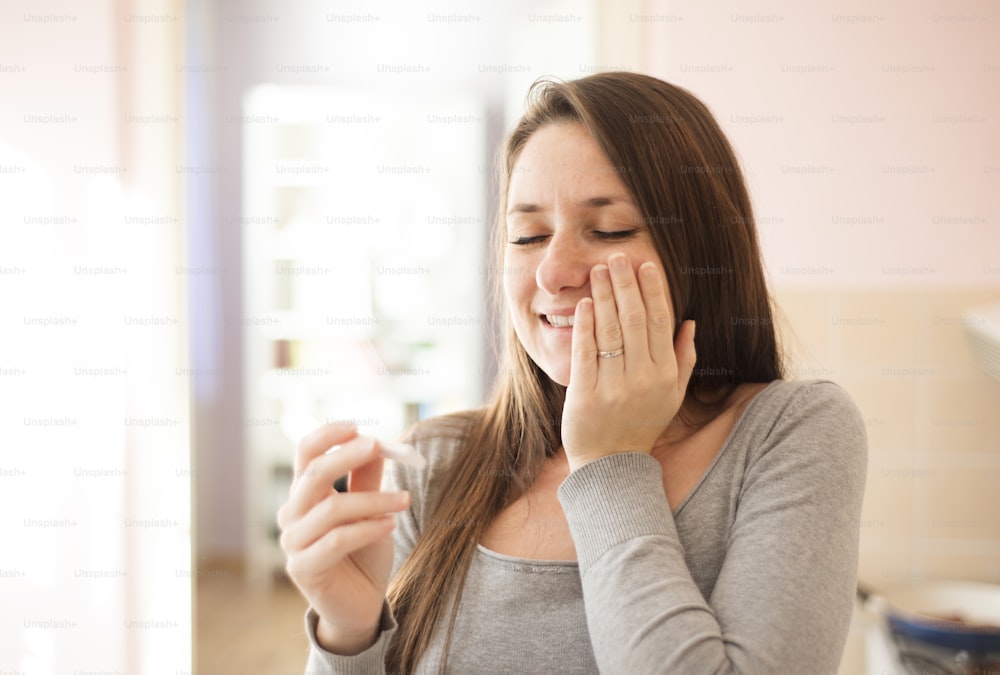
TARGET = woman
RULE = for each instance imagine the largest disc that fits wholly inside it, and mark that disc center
(635, 497)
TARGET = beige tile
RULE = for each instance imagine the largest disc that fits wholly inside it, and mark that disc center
(875, 329)
(887, 510)
(942, 563)
(932, 506)
(884, 562)
(803, 319)
(946, 333)
(964, 415)
(888, 406)
(961, 502)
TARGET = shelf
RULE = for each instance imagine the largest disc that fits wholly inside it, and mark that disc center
(296, 325)
(326, 231)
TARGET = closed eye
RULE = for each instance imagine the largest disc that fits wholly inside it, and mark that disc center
(620, 234)
(524, 241)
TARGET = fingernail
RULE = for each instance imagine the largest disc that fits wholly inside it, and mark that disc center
(601, 272)
(618, 262)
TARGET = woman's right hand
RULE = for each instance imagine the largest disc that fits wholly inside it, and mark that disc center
(339, 545)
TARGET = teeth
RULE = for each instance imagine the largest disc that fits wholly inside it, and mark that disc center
(559, 321)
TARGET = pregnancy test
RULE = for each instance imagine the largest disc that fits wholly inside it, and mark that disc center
(296, 425)
(402, 453)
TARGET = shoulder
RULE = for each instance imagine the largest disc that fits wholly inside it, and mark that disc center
(807, 422)
(786, 405)
(439, 439)
(793, 397)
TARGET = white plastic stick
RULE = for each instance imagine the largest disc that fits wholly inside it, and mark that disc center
(402, 453)
(296, 425)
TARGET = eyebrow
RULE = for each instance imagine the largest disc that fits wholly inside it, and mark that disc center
(591, 203)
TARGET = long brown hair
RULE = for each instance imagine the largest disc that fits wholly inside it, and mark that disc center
(684, 177)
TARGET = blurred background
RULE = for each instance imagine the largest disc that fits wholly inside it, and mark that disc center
(219, 217)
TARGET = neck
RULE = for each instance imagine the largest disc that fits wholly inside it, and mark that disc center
(689, 420)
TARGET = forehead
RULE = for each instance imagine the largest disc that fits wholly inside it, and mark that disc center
(563, 159)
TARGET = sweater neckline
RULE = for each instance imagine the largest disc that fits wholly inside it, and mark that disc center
(562, 565)
(516, 562)
(740, 421)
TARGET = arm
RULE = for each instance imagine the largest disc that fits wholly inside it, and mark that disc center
(782, 601)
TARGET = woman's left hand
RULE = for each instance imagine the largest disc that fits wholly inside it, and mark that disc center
(622, 403)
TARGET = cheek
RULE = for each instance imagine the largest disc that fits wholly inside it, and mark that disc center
(518, 285)
(514, 306)
(509, 290)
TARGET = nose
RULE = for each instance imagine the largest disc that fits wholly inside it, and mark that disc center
(566, 264)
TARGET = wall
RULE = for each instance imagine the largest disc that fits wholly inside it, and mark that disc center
(869, 136)
(867, 131)
(869, 141)
(94, 472)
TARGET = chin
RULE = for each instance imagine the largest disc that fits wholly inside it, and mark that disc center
(555, 366)
(558, 374)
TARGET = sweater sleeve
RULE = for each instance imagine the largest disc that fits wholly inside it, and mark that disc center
(782, 600)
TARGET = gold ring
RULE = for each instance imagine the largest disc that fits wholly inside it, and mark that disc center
(611, 355)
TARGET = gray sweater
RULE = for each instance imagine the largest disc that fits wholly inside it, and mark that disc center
(754, 572)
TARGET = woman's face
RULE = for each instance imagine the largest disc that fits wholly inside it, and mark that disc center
(567, 210)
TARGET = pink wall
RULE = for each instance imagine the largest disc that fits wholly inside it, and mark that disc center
(870, 138)
(868, 131)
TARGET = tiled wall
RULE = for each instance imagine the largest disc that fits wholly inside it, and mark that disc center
(932, 503)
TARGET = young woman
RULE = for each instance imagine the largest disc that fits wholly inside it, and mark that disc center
(644, 492)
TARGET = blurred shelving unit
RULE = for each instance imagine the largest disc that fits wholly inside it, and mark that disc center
(364, 231)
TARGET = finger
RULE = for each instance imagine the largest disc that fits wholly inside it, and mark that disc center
(338, 510)
(316, 480)
(687, 356)
(337, 544)
(367, 477)
(607, 331)
(583, 361)
(631, 311)
(320, 440)
(659, 318)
